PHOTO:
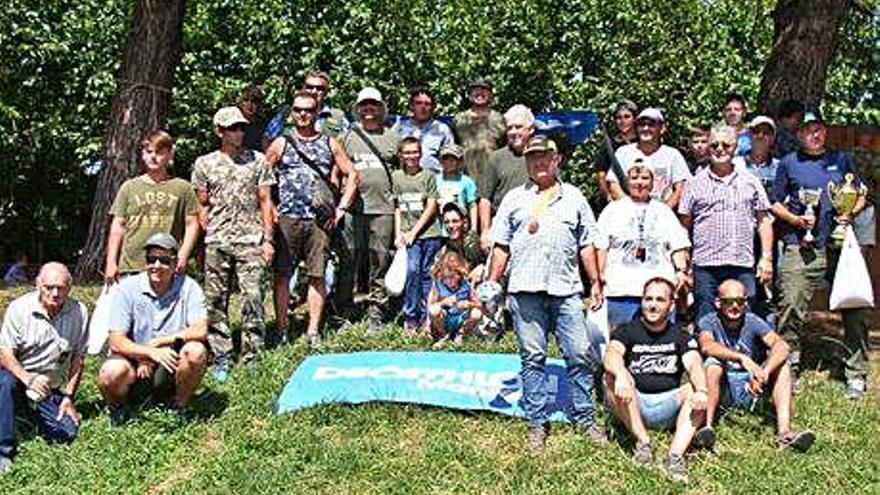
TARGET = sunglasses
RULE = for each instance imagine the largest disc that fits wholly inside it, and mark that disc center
(731, 301)
(163, 260)
(234, 128)
(722, 145)
(316, 87)
(303, 109)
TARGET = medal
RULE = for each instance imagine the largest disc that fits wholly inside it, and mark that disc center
(533, 225)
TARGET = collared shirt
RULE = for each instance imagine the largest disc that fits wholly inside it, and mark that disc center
(42, 344)
(142, 314)
(723, 211)
(765, 172)
(548, 259)
(433, 136)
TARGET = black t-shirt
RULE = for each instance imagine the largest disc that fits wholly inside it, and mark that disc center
(654, 359)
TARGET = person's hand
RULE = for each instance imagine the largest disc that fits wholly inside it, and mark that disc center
(805, 222)
(275, 217)
(145, 370)
(624, 388)
(66, 408)
(844, 219)
(596, 296)
(485, 242)
(268, 251)
(448, 302)
(755, 386)
(338, 215)
(165, 357)
(466, 304)
(764, 271)
(181, 265)
(399, 242)
(111, 273)
(683, 282)
(409, 237)
(40, 385)
(755, 371)
(699, 399)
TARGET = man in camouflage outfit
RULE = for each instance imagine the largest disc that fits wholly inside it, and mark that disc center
(233, 185)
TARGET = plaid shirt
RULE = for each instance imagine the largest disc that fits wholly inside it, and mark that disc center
(547, 260)
(724, 216)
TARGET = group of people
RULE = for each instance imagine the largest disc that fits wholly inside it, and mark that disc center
(480, 210)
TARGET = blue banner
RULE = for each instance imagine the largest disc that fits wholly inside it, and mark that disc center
(478, 382)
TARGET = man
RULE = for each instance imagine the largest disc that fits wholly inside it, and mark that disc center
(643, 366)
(543, 231)
(806, 264)
(789, 117)
(699, 154)
(734, 114)
(433, 134)
(505, 170)
(329, 121)
(722, 206)
(462, 239)
(670, 169)
(158, 330)
(625, 123)
(734, 341)
(480, 129)
(639, 238)
(233, 186)
(306, 162)
(43, 342)
(369, 229)
(251, 105)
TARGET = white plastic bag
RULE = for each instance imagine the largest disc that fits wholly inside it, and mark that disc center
(99, 325)
(852, 283)
(600, 319)
(395, 277)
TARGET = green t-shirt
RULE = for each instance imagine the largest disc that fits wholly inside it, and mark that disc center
(148, 208)
(374, 196)
(479, 136)
(504, 171)
(412, 193)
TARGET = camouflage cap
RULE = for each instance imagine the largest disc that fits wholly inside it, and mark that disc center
(228, 117)
(540, 143)
(452, 149)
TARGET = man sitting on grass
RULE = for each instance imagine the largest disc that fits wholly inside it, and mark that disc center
(643, 367)
(158, 330)
(733, 340)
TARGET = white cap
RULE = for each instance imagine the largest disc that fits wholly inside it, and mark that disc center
(369, 94)
(228, 117)
(761, 120)
(651, 113)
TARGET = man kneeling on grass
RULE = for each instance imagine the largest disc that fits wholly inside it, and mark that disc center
(158, 329)
(734, 341)
(643, 367)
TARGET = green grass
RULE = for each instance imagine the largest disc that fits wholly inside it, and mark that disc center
(236, 444)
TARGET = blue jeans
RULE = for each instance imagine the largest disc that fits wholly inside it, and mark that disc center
(708, 278)
(535, 315)
(12, 395)
(419, 259)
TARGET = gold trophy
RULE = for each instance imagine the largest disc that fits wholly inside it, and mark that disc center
(844, 198)
(810, 198)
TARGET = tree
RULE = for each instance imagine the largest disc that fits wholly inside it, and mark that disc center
(805, 40)
(141, 103)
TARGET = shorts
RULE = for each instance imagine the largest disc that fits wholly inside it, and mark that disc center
(660, 411)
(161, 386)
(733, 387)
(452, 322)
(299, 240)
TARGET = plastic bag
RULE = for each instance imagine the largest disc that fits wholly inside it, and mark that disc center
(99, 325)
(600, 319)
(852, 283)
(395, 277)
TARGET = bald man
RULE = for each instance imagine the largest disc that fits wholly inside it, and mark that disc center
(746, 362)
(42, 344)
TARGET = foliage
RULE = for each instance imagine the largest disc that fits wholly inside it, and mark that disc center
(550, 54)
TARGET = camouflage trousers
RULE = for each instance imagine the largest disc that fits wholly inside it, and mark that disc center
(247, 264)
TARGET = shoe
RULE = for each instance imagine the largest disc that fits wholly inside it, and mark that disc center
(313, 341)
(536, 438)
(643, 454)
(800, 441)
(118, 415)
(705, 438)
(856, 388)
(411, 327)
(5, 464)
(676, 469)
(221, 369)
(459, 339)
(441, 342)
(594, 434)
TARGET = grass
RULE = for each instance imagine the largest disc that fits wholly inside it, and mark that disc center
(236, 444)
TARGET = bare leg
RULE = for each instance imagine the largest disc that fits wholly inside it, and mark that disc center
(713, 381)
(627, 412)
(687, 423)
(438, 327)
(115, 379)
(315, 300)
(782, 398)
(190, 370)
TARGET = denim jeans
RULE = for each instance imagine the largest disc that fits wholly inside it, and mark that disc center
(419, 259)
(708, 278)
(12, 396)
(535, 315)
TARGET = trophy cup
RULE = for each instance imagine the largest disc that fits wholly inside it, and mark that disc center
(844, 198)
(810, 199)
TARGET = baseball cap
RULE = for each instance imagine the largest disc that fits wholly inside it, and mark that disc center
(812, 115)
(651, 113)
(538, 144)
(452, 205)
(369, 94)
(228, 117)
(762, 120)
(162, 240)
(452, 149)
(480, 82)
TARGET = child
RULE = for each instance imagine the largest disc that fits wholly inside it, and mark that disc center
(417, 229)
(454, 186)
(452, 304)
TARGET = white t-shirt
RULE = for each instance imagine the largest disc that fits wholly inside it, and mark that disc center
(640, 239)
(668, 165)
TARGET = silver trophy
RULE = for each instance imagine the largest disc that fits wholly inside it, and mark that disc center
(810, 199)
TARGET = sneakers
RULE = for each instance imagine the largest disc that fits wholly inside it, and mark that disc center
(674, 466)
(411, 327)
(313, 341)
(856, 388)
(643, 454)
(441, 342)
(595, 434)
(705, 437)
(118, 415)
(5, 464)
(796, 440)
(221, 369)
(536, 438)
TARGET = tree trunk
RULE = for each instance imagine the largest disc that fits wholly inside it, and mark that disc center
(804, 44)
(141, 104)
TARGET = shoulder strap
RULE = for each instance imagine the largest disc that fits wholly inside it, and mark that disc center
(373, 149)
(307, 159)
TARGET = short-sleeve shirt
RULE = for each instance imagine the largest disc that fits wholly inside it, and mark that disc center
(233, 187)
(374, 190)
(433, 136)
(460, 190)
(723, 211)
(764, 172)
(469, 249)
(667, 163)
(799, 171)
(748, 339)
(548, 259)
(146, 208)
(42, 344)
(602, 162)
(640, 239)
(654, 359)
(142, 314)
(412, 192)
(504, 171)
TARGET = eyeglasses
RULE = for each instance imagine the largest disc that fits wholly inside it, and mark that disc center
(234, 128)
(648, 122)
(163, 260)
(731, 301)
(722, 145)
(303, 109)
